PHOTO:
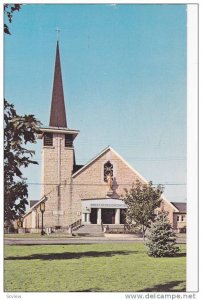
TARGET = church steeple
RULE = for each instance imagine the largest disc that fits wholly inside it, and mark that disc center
(58, 157)
(58, 114)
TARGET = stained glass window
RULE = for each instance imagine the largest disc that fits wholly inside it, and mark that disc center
(108, 170)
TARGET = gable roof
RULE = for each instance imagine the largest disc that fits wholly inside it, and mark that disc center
(181, 206)
(91, 161)
(44, 198)
(109, 148)
(32, 202)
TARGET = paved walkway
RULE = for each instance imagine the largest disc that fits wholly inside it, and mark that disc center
(74, 240)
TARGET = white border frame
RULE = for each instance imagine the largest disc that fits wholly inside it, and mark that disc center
(192, 149)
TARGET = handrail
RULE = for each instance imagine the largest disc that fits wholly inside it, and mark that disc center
(75, 225)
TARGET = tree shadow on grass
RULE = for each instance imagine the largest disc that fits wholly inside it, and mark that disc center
(181, 254)
(166, 287)
(70, 255)
(93, 290)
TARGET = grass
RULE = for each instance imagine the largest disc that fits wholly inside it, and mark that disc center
(91, 268)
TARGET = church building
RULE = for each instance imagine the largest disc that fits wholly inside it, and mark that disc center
(80, 194)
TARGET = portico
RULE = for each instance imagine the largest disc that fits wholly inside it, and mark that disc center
(106, 211)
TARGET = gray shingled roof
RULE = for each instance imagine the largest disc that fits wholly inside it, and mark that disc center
(181, 206)
(32, 202)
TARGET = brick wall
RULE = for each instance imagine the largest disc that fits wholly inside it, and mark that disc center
(57, 169)
(63, 207)
(90, 182)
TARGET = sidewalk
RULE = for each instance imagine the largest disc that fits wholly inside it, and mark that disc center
(74, 240)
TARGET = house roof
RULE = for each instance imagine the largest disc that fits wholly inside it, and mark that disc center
(32, 202)
(44, 198)
(181, 206)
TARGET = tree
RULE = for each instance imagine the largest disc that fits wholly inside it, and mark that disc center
(18, 131)
(161, 239)
(8, 11)
(142, 199)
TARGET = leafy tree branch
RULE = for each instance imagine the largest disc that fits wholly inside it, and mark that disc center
(18, 132)
(9, 9)
(142, 200)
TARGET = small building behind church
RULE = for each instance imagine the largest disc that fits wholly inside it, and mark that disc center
(87, 194)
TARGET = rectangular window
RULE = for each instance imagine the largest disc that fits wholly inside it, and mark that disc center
(182, 218)
(48, 139)
(68, 140)
(178, 218)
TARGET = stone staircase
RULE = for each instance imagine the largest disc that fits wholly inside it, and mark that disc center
(89, 230)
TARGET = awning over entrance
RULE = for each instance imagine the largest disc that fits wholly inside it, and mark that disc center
(87, 204)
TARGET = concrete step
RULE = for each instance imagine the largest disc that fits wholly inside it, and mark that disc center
(89, 229)
(92, 234)
(96, 230)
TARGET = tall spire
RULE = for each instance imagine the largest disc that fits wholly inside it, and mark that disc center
(58, 114)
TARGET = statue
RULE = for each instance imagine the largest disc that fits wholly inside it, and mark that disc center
(110, 184)
(109, 180)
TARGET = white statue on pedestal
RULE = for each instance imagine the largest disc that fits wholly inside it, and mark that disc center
(110, 184)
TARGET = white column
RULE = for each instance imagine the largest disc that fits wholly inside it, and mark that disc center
(88, 219)
(99, 220)
(117, 216)
(83, 218)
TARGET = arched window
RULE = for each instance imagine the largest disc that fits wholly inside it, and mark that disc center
(108, 170)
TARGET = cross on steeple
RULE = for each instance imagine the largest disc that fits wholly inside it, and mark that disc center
(58, 33)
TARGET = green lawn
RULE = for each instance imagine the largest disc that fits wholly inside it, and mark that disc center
(91, 268)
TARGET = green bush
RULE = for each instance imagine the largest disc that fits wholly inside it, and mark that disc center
(161, 239)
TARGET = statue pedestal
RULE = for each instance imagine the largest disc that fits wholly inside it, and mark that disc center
(110, 192)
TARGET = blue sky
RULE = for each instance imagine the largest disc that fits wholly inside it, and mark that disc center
(124, 78)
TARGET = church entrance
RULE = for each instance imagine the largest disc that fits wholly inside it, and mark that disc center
(93, 216)
(108, 216)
